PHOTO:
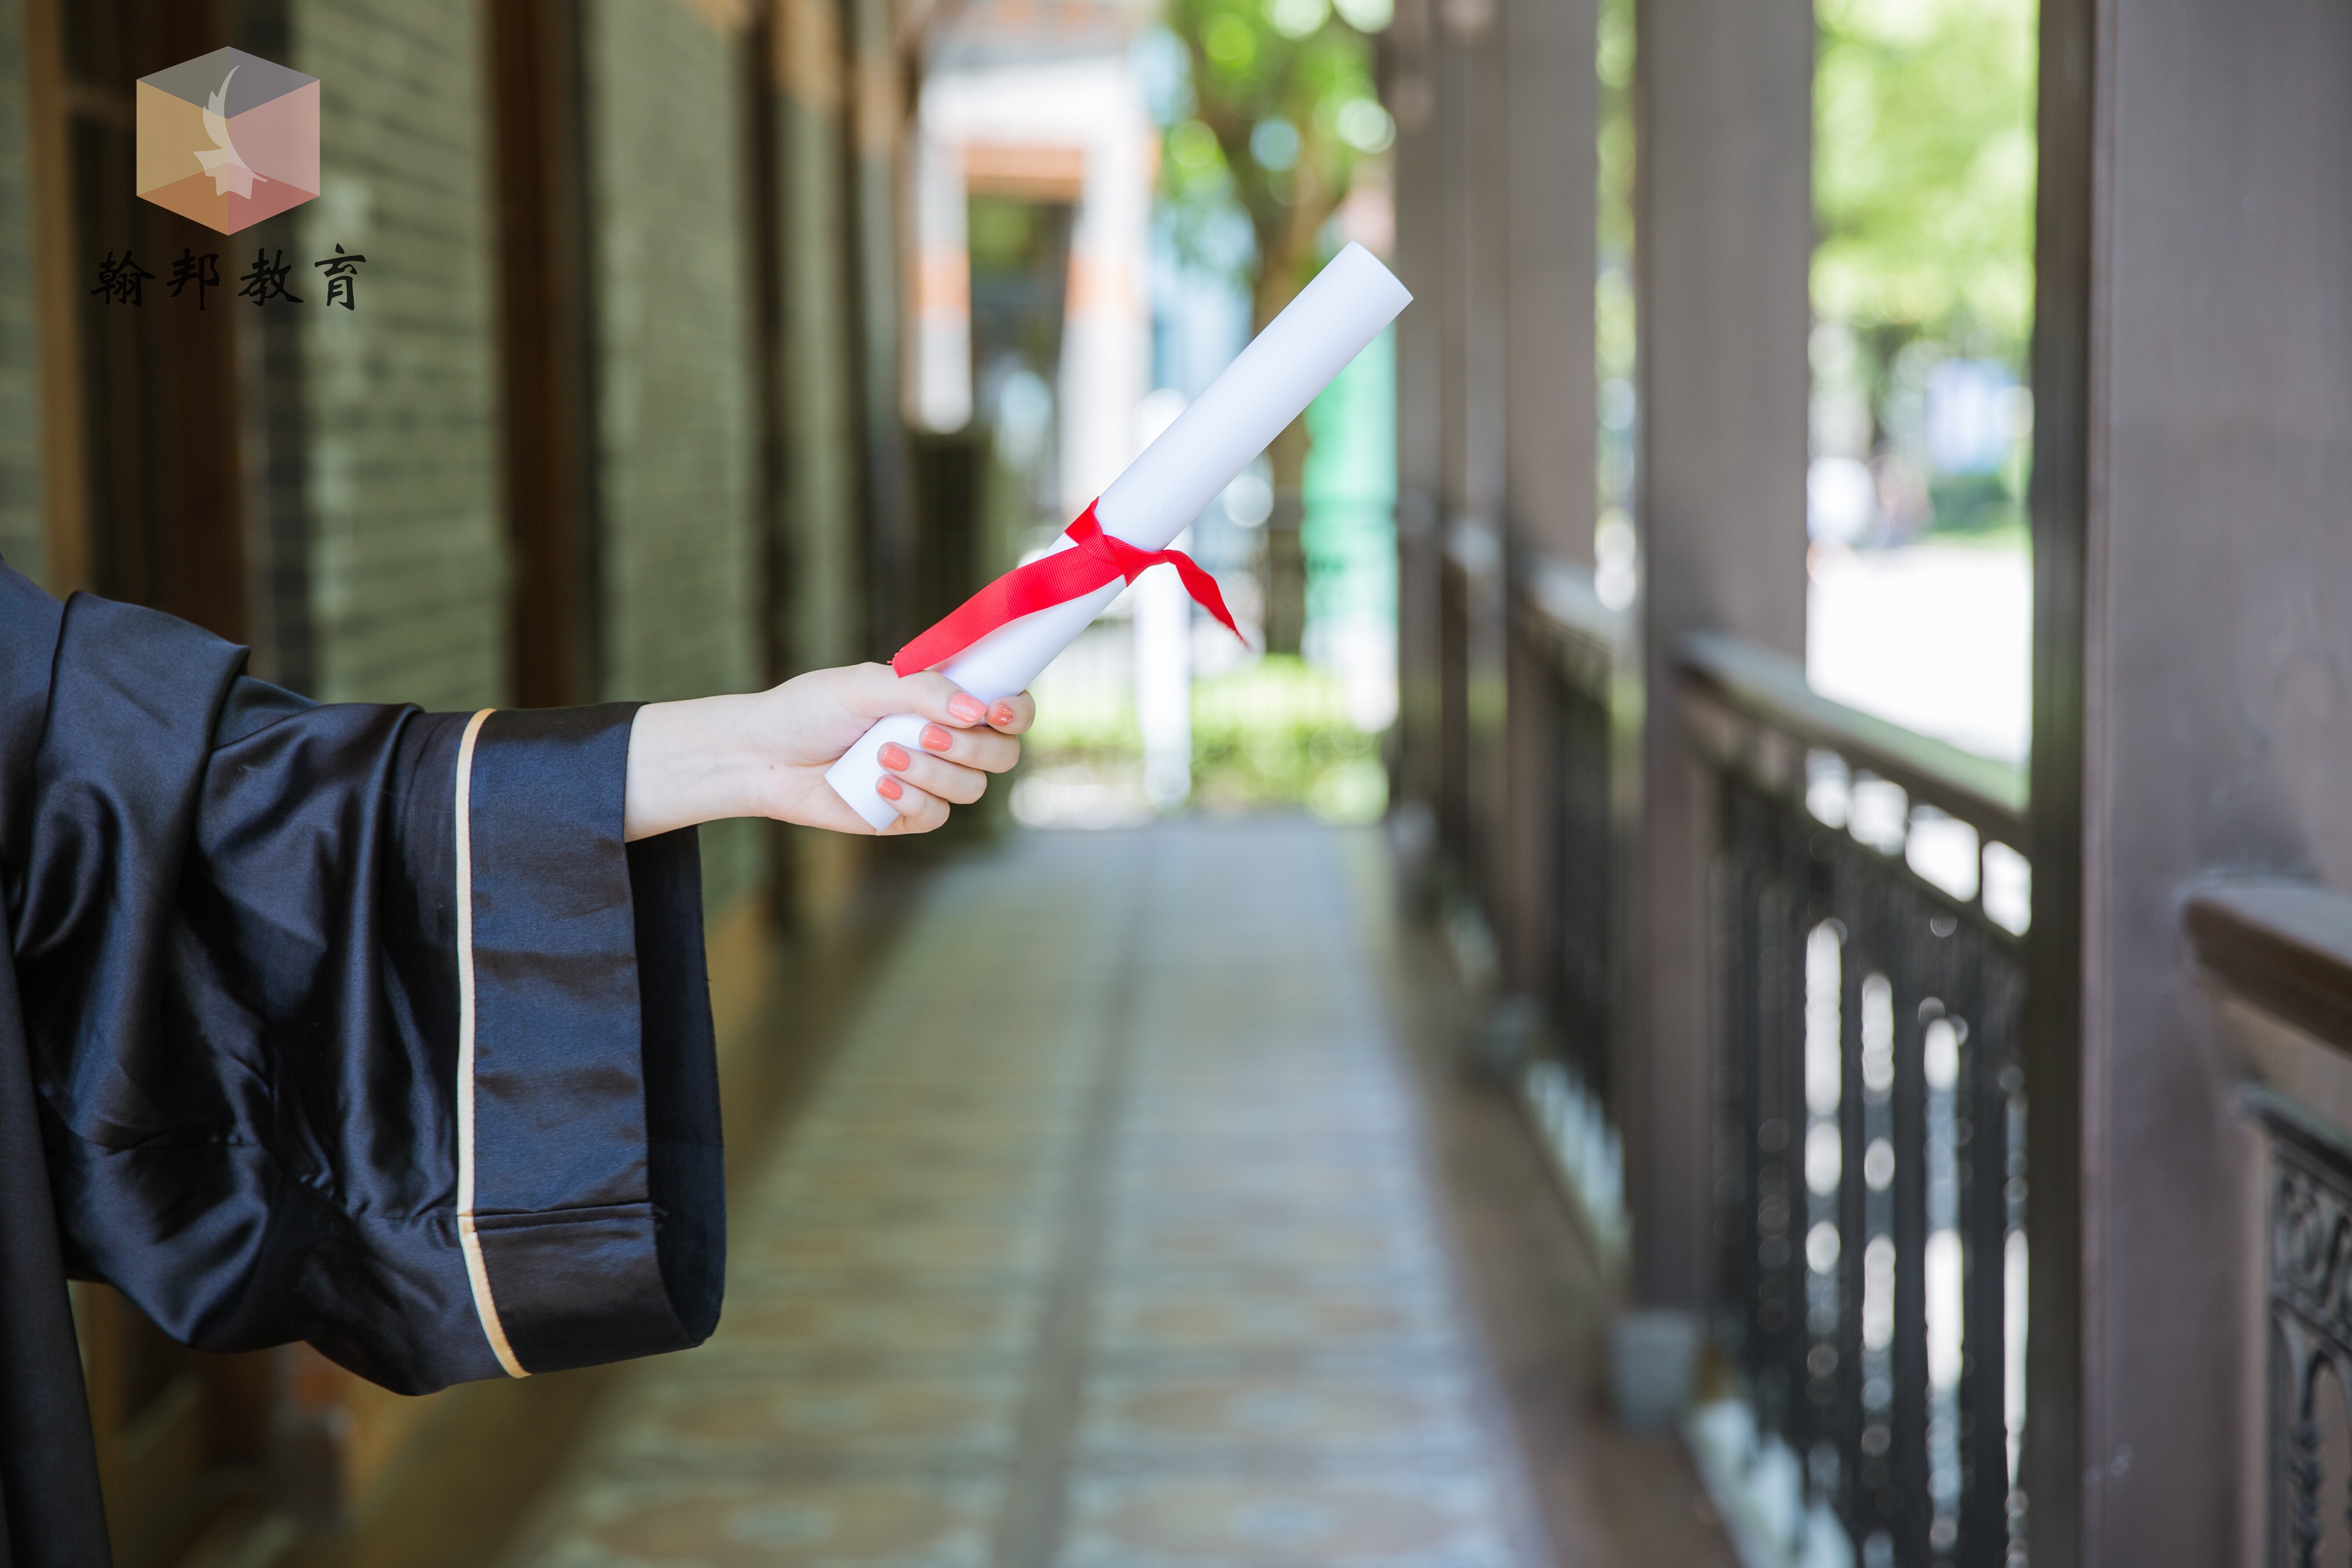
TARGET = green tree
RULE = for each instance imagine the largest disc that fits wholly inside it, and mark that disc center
(1283, 106)
(1923, 175)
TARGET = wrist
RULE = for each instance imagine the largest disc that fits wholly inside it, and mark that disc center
(691, 762)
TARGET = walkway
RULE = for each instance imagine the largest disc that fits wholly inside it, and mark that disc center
(1107, 1239)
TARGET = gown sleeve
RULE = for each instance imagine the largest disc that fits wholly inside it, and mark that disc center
(355, 1023)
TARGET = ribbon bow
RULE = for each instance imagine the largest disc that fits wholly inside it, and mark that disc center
(1053, 580)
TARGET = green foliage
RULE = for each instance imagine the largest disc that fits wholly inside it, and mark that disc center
(1282, 107)
(1276, 731)
(1923, 172)
(1613, 64)
(1273, 731)
(1614, 336)
(1972, 503)
(1086, 721)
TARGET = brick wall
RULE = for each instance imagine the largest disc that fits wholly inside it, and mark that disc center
(681, 561)
(20, 488)
(383, 481)
(407, 551)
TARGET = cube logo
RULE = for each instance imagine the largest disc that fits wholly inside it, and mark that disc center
(229, 139)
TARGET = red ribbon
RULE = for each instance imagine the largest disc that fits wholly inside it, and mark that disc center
(1052, 580)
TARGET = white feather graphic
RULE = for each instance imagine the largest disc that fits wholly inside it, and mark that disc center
(221, 160)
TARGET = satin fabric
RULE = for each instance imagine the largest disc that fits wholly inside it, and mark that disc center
(233, 920)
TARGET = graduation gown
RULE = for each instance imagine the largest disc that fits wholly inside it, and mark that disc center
(349, 1024)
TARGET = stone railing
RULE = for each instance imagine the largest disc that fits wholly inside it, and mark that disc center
(2280, 953)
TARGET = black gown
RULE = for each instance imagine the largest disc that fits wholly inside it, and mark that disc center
(349, 1024)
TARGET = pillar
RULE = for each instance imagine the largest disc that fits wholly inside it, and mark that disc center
(1550, 125)
(2192, 715)
(1410, 91)
(1724, 239)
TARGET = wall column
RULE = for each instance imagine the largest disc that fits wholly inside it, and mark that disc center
(1473, 328)
(1410, 91)
(2193, 716)
(1551, 122)
(1724, 234)
(1550, 126)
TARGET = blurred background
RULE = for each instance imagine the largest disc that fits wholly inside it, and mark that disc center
(776, 397)
(698, 343)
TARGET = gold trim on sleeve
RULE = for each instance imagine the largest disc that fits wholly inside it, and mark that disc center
(478, 1273)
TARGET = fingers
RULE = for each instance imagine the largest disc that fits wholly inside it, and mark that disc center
(983, 749)
(874, 691)
(964, 742)
(1013, 715)
(935, 776)
(918, 812)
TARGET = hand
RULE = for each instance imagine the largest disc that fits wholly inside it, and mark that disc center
(765, 754)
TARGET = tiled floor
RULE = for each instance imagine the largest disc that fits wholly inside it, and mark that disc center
(1108, 1242)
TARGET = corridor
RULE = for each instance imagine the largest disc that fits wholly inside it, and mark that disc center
(1109, 1237)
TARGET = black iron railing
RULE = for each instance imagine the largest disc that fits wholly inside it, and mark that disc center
(1575, 641)
(2286, 949)
(1571, 650)
(1869, 1164)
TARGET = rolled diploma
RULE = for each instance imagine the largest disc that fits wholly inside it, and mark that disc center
(1268, 384)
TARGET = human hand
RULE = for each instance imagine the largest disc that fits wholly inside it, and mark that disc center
(765, 754)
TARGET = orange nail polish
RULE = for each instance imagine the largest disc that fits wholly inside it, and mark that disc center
(889, 789)
(967, 707)
(1000, 715)
(936, 738)
(894, 757)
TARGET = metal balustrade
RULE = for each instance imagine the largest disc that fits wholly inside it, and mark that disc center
(1572, 652)
(1870, 1118)
(1577, 639)
(1869, 1151)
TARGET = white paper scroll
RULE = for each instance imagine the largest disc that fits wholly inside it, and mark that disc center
(1268, 384)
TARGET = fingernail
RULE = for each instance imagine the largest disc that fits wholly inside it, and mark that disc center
(936, 738)
(889, 789)
(894, 757)
(1000, 715)
(967, 707)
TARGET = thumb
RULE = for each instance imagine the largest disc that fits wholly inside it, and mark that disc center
(876, 691)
